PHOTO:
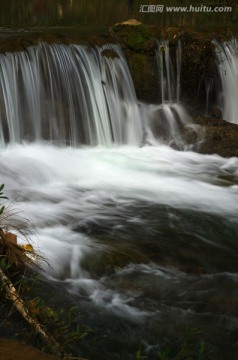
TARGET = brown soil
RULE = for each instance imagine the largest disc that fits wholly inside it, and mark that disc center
(12, 350)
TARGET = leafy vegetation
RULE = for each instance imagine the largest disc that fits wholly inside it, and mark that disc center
(186, 347)
(55, 329)
(2, 197)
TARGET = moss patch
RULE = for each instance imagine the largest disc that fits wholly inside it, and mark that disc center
(137, 37)
(144, 74)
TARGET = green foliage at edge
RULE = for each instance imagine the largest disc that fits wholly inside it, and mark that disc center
(63, 324)
(2, 197)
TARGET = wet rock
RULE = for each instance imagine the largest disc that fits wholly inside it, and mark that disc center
(112, 259)
(134, 36)
(144, 74)
(198, 60)
(198, 68)
(219, 136)
(215, 112)
(109, 53)
(139, 46)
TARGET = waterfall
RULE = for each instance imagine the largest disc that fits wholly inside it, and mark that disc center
(144, 238)
(208, 87)
(68, 94)
(165, 70)
(169, 82)
(167, 121)
(178, 64)
(77, 95)
(227, 64)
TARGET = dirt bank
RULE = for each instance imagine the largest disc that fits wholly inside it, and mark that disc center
(14, 350)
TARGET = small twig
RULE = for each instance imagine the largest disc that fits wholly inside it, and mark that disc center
(12, 295)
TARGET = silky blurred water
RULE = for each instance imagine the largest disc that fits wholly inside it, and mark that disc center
(142, 237)
(145, 235)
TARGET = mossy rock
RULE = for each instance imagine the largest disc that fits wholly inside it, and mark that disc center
(143, 70)
(111, 259)
(135, 37)
(220, 137)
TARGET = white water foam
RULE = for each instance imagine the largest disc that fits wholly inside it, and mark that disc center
(61, 187)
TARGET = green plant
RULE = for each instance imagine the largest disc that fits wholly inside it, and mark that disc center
(202, 350)
(139, 355)
(164, 354)
(2, 197)
(64, 325)
(187, 347)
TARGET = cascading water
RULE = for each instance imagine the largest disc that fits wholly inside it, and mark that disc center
(71, 94)
(227, 64)
(168, 120)
(169, 83)
(144, 238)
(79, 95)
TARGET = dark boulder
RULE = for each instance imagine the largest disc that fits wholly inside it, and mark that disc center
(218, 136)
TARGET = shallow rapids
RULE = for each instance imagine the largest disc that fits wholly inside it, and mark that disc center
(146, 234)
